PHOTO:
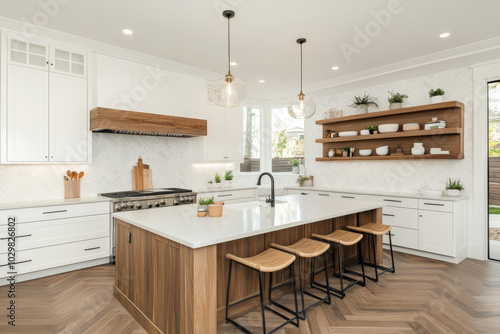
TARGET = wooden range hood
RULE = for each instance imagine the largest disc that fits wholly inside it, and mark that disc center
(139, 123)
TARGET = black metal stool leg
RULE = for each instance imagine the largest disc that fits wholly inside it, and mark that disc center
(301, 291)
(360, 245)
(228, 285)
(392, 255)
(374, 239)
(262, 303)
(340, 272)
(295, 295)
(329, 302)
(270, 286)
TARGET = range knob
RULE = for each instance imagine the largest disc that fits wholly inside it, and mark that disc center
(118, 207)
(124, 205)
(183, 199)
(130, 205)
(150, 205)
(157, 204)
(176, 202)
(138, 206)
(191, 199)
(162, 202)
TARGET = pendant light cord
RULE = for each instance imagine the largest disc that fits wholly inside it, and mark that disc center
(301, 67)
(228, 46)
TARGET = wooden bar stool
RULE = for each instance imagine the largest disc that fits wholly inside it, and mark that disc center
(374, 230)
(269, 261)
(344, 238)
(305, 248)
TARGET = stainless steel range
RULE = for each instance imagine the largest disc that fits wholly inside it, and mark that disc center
(147, 199)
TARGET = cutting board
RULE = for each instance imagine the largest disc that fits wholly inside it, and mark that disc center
(141, 176)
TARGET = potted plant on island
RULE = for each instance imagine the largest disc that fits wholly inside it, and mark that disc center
(363, 102)
(301, 179)
(295, 165)
(454, 187)
(372, 128)
(436, 95)
(228, 178)
(396, 100)
(203, 204)
(217, 180)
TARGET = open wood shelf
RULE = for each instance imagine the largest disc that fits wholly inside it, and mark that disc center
(426, 107)
(448, 139)
(400, 134)
(394, 157)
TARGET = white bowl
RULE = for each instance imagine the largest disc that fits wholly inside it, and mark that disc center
(348, 133)
(431, 192)
(386, 128)
(382, 150)
(364, 132)
(365, 153)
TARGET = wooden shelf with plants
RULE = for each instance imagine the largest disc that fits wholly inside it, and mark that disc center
(450, 138)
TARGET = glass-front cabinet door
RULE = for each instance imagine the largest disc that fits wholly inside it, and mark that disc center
(65, 59)
(31, 52)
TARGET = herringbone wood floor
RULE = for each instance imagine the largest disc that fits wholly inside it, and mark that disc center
(424, 296)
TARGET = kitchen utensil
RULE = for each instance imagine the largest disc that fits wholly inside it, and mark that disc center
(80, 175)
(382, 150)
(348, 133)
(365, 153)
(364, 132)
(66, 178)
(411, 127)
(69, 174)
(387, 128)
(74, 175)
(141, 176)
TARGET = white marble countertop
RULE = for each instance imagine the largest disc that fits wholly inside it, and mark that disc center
(216, 190)
(182, 225)
(381, 193)
(50, 202)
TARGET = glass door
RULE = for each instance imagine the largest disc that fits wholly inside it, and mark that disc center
(494, 170)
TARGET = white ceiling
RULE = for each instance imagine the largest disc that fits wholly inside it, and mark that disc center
(193, 32)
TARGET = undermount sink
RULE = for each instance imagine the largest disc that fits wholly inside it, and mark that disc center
(253, 204)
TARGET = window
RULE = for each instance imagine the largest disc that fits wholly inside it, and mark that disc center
(287, 139)
(251, 140)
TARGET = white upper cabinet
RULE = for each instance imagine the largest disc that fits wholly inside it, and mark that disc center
(46, 109)
(150, 91)
(186, 96)
(114, 81)
(234, 134)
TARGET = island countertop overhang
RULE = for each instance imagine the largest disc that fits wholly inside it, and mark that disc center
(182, 225)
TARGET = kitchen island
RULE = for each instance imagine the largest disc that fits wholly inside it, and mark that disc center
(171, 266)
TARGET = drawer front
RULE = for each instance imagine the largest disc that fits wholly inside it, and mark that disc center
(359, 197)
(54, 232)
(433, 205)
(324, 194)
(294, 191)
(395, 201)
(403, 237)
(55, 256)
(55, 212)
(400, 217)
(230, 194)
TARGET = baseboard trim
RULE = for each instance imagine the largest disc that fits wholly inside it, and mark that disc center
(477, 252)
(444, 258)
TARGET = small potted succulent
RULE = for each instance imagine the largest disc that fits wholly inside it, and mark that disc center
(203, 203)
(396, 100)
(217, 180)
(228, 178)
(295, 165)
(436, 95)
(372, 128)
(454, 187)
(345, 151)
(301, 179)
(363, 102)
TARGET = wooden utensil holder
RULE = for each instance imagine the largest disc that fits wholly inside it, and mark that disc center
(215, 210)
(71, 189)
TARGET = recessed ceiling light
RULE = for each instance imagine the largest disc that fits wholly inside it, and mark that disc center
(262, 81)
(444, 35)
(233, 63)
(335, 68)
(127, 31)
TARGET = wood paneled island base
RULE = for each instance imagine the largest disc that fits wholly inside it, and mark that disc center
(171, 288)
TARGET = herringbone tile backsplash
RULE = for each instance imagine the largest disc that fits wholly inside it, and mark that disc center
(114, 155)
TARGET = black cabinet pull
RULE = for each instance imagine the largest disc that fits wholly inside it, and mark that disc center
(224, 195)
(435, 204)
(304, 193)
(87, 249)
(129, 237)
(388, 215)
(324, 194)
(58, 211)
(16, 237)
(5, 265)
(347, 197)
(392, 200)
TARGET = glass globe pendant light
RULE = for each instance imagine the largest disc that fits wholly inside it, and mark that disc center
(302, 107)
(228, 91)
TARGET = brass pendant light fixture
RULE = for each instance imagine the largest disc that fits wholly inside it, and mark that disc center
(302, 107)
(228, 91)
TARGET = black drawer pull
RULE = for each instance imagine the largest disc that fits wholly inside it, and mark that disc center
(58, 211)
(224, 195)
(435, 204)
(8, 264)
(16, 237)
(392, 234)
(304, 193)
(387, 214)
(324, 194)
(348, 197)
(392, 200)
(87, 249)
(129, 238)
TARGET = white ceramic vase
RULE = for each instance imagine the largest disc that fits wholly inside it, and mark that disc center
(453, 192)
(331, 153)
(228, 183)
(395, 105)
(363, 109)
(418, 149)
(295, 170)
(437, 99)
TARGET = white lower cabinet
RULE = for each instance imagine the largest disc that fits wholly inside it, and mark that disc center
(435, 232)
(403, 237)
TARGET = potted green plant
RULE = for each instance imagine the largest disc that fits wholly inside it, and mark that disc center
(454, 187)
(228, 178)
(345, 152)
(301, 179)
(295, 165)
(203, 203)
(396, 100)
(363, 102)
(217, 180)
(372, 128)
(210, 184)
(436, 95)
